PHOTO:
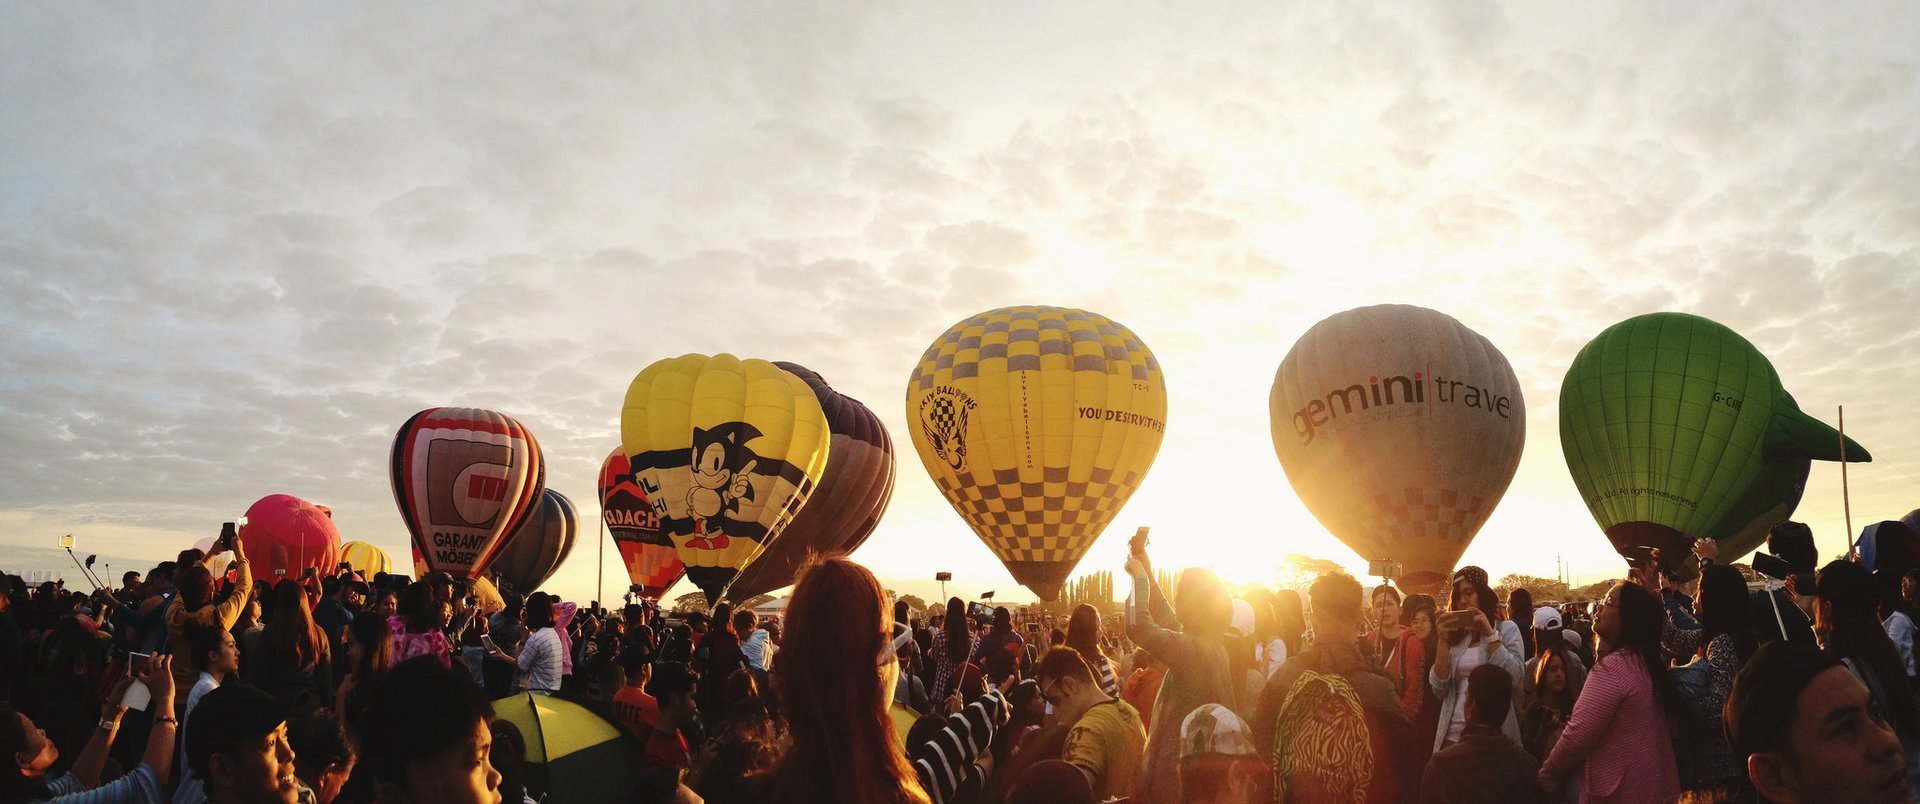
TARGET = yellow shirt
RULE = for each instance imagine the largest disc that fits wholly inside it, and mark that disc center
(1110, 743)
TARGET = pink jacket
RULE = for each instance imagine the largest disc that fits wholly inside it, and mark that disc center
(1618, 732)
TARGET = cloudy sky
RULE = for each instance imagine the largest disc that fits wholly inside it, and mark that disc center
(239, 245)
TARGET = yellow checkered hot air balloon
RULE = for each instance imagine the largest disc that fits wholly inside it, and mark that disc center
(726, 450)
(1037, 423)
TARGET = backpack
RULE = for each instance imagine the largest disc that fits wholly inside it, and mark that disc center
(1321, 741)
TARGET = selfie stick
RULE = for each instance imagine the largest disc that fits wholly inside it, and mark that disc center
(83, 569)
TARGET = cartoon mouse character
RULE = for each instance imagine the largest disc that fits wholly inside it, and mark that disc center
(722, 471)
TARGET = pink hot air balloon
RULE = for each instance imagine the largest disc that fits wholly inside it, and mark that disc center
(284, 535)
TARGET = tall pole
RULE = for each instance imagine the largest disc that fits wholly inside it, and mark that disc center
(600, 571)
(1846, 501)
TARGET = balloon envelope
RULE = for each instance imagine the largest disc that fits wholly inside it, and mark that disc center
(1676, 428)
(365, 559)
(284, 535)
(464, 479)
(540, 545)
(1037, 424)
(843, 512)
(727, 451)
(1400, 429)
(652, 563)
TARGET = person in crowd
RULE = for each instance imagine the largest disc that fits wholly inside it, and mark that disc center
(1484, 765)
(323, 756)
(1712, 653)
(219, 658)
(1142, 688)
(296, 659)
(1218, 761)
(1794, 605)
(1331, 718)
(339, 600)
(1051, 782)
(1467, 639)
(369, 657)
(1083, 635)
(716, 657)
(422, 630)
(1269, 652)
(11, 654)
(541, 657)
(386, 602)
(473, 650)
(1618, 738)
(1001, 653)
(908, 693)
(237, 743)
(1808, 730)
(637, 710)
(1410, 658)
(1551, 694)
(1198, 669)
(756, 644)
(1847, 625)
(32, 754)
(508, 754)
(507, 628)
(1549, 634)
(1105, 740)
(953, 644)
(1895, 618)
(424, 736)
(1290, 615)
(673, 687)
(1520, 613)
(196, 605)
(1383, 622)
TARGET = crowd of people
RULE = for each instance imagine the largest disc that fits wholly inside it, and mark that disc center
(212, 685)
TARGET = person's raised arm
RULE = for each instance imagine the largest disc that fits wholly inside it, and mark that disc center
(229, 611)
(160, 740)
(86, 767)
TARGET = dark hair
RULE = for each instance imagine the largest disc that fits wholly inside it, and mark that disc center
(202, 641)
(1083, 632)
(1520, 611)
(1793, 542)
(196, 587)
(1416, 603)
(958, 642)
(1724, 610)
(16, 786)
(1766, 695)
(1291, 613)
(1336, 594)
(670, 680)
(319, 741)
(1051, 781)
(1064, 662)
(1484, 599)
(1847, 612)
(1564, 702)
(508, 758)
(743, 622)
(292, 635)
(421, 608)
(225, 720)
(1490, 689)
(723, 617)
(165, 569)
(539, 611)
(1383, 589)
(375, 637)
(1002, 619)
(1641, 620)
(417, 711)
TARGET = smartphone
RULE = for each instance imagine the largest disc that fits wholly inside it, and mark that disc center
(344, 567)
(136, 659)
(1772, 566)
(227, 535)
(1457, 620)
(487, 640)
(310, 572)
(1382, 568)
(1138, 544)
(66, 541)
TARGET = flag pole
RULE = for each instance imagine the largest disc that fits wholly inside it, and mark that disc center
(600, 572)
(1846, 501)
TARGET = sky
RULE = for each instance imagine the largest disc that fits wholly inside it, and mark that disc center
(241, 244)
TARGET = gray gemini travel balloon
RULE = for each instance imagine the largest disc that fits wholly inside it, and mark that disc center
(1400, 429)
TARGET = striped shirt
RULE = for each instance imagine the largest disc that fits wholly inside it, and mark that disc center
(945, 761)
(141, 786)
(542, 660)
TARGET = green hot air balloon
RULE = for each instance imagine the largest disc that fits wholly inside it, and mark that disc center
(1676, 428)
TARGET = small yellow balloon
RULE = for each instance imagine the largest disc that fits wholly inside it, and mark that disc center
(365, 558)
(1037, 424)
(727, 451)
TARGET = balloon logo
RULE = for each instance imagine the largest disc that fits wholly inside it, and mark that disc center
(1676, 428)
(1400, 429)
(365, 558)
(846, 507)
(464, 479)
(727, 451)
(652, 563)
(1037, 424)
(284, 535)
(537, 549)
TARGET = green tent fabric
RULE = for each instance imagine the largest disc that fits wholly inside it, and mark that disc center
(573, 753)
(1674, 428)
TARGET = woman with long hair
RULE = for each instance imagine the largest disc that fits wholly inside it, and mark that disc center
(1290, 617)
(952, 644)
(836, 675)
(1713, 654)
(1383, 621)
(297, 660)
(1467, 638)
(1410, 660)
(1847, 624)
(369, 656)
(1552, 705)
(1083, 635)
(1618, 738)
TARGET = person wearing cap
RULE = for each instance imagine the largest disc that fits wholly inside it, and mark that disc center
(1806, 729)
(1334, 719)
(1548, 634)
(1106, 740)
(237, 742)
(1793, 543)
(1847, 624)
(1218, 761)
(1484, 765)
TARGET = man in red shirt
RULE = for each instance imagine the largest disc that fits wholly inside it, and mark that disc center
(637, 710)
(673, 690)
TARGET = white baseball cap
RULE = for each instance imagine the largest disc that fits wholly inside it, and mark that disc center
(1546, 617)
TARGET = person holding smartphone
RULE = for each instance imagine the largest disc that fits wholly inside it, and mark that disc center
(1467, 640)
(196, 605)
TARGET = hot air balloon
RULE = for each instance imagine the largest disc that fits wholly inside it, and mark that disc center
(537, 548)
(1037, 424)
(1400, 429)
(727, 451)
(365, 558)
(1676, 428)
(652, 563)
(284, 535)
(464, 479)
(843, 512)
